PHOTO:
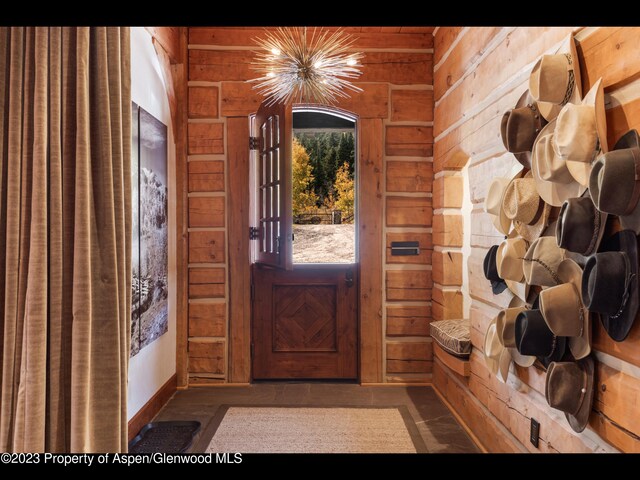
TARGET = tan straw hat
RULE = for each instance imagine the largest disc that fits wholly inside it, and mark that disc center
(555, 80)
(581, 133)
(554, 182)
(497, 357)
(509, 262)
(522, 205)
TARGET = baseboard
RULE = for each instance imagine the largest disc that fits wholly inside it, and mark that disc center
(398, 384)
(153, 406)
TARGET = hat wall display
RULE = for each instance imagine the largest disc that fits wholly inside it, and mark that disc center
(491, 271)
(541, 262)
(555, 80)
(610, 284)
(581, 133)
(569, 388)
(564, 311)
(496, 356)
(615, 181)
(534, 337)
(554, 182)
(493, 200)
(519, 128)
(524, 207)
(505, 329)
(580, 225)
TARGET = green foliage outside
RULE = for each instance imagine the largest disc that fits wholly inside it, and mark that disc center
(323, 173)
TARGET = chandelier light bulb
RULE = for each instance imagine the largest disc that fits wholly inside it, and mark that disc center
(296, 67)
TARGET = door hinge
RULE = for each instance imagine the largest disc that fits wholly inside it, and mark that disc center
(254, 233)
(254, 143)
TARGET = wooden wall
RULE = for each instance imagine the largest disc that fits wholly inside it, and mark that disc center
(478, 74)
(395, 141)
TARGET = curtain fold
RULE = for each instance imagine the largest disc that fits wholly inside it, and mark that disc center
(65, 238)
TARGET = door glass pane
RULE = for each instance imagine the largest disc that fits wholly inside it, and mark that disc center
(275, 130)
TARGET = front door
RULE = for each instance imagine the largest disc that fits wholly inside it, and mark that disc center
(304, 323)
(304, 316)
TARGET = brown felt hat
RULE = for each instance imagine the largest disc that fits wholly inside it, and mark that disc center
(569, 388)
(564, 311)
(555, 80)
(519, 128)
(580, 225)
(524, 207)
(615, 181)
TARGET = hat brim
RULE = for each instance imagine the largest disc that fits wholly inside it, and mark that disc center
(631, 221)
(595, 97)
(580, 420)
(555, 194)
(519, 289)
(570, 272)
(618, 328)
(516, 356)
(497, 364)
(551, 110)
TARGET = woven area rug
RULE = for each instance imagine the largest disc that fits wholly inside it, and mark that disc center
(314, 430)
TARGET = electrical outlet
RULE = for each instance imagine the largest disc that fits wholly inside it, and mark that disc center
(535, 432)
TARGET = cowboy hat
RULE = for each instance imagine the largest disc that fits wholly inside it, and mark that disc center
(555, 79)
(509, 264)
(580, 225)
(524, 207)
(615, 181)
(533, 336)
(497, 357)
(491, 271)
(493, 200)
(610, 284)
(541, 262)
(564, 311)
(569, 388)
(520, 127)
(581, 133)
(554, 182)
(505, 328)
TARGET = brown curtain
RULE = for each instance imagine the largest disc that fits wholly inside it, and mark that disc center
(65, 238)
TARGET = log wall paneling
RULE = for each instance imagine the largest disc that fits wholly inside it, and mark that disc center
(395, 175)
(480, 73)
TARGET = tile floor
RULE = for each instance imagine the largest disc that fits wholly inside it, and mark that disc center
(437, 426)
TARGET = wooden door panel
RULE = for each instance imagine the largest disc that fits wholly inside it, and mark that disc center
(304, 323)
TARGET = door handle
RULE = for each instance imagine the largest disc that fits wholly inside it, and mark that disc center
(348, 278)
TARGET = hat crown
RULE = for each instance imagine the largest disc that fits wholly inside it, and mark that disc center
(551, 78)
(521, 201)
(541, 262)
(566, 386)
(519, 128)
(578, 226)
(576, 137)
(613, 180)
(493, 202)
(533, 336)
(509, 259)
(606, 281)
(561, 308)
(550, 166)
(506, 326)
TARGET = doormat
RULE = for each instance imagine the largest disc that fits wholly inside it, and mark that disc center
(260, 429)
(165, 437)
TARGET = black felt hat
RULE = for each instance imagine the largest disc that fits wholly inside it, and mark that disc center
(533, 337)
(610, 283)
(491, 271)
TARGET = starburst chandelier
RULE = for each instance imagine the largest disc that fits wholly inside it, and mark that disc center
(319, 70)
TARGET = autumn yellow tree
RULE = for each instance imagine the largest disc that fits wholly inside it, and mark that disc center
(304, 198)
(345, 192)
